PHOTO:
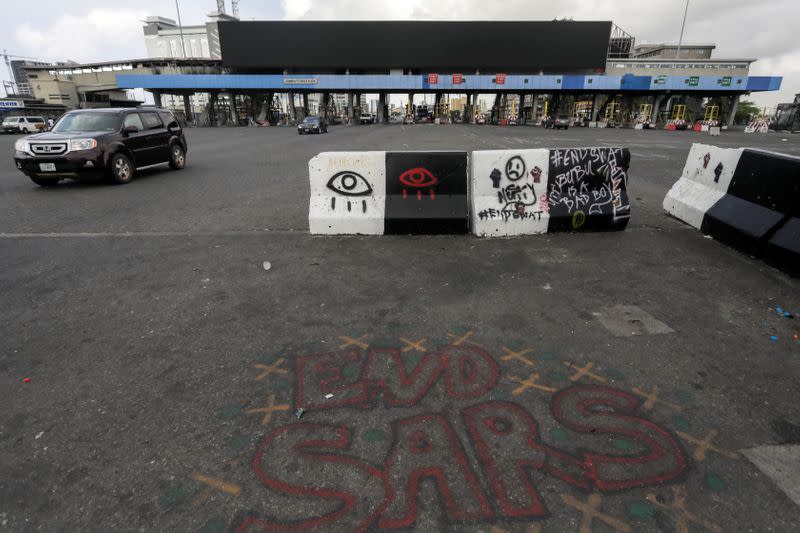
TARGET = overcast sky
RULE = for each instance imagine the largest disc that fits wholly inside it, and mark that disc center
(92, 30)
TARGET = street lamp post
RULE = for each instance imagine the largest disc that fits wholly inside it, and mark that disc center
(683, 25)
(180, 28)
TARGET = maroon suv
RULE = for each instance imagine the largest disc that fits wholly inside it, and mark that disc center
(102, 142)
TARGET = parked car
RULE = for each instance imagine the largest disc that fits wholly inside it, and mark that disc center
(367, 118)
(512, 120)
(312, 125)
(23, 124)
(561, 122)
(481, 119)
(408, 119)
(113, 142)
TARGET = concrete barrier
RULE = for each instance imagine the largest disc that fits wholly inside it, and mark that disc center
(523, 192)
(749, 199)
(348, 193)
(426, 193)
(587, 189)
(705, 179)
(783, 249)
(764, 193)
(514, 192)
(509, 192)
(372, 193)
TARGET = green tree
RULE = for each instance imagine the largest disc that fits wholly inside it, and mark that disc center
(746, 110)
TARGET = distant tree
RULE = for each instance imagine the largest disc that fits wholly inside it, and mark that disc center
(746, 110)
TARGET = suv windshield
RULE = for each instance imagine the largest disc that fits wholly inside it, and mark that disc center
(80, 122)
(311, 120)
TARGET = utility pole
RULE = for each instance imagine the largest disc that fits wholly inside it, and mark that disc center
(180, 28)
(683, 25)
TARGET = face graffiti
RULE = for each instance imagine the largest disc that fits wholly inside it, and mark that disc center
(516, 200)
(484, 456)
(350, 184)
(515, 168)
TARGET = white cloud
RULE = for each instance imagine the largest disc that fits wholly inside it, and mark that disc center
(99, 34)
(294, 9)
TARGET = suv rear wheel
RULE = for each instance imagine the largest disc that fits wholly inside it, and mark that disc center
(121, 169)
(177, 157)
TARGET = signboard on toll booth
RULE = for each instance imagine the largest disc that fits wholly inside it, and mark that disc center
(433, 79)
(500, 79)
(458, 79)
(693, 81)
(725, 81)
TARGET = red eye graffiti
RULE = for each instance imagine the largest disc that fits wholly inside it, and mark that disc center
(419, 178)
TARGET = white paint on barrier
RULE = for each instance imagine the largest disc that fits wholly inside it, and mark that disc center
(509, 192)
(705, 179)
(348, 193)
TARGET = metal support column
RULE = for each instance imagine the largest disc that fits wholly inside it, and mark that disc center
(349, 107)
(212, 109)
(305, 105)
(657, 99)
(381, 111)
(323, 109)
(291, 111)
(187, 108)
(732, 112)
(157, 98)
(233, 114)
(595, 107)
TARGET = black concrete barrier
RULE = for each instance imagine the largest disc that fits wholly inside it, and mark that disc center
(426, 193)
(764, 193)
(783, 249)
(756, 209)
(587, 189)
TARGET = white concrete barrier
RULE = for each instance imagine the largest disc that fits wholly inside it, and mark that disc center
(509, 192)
(348, 193)
(704, 181)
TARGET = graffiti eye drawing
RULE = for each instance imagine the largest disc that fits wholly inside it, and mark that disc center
(515, 168)
(349, 183)
(419, 178)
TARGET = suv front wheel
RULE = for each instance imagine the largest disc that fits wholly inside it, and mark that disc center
(121, 169)
(177, 157)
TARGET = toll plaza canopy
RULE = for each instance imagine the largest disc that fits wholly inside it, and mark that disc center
(417, 46)
(451, 83)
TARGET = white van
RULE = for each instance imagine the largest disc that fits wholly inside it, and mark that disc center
(24, 124)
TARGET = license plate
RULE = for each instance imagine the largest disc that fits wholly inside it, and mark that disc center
(47, 167)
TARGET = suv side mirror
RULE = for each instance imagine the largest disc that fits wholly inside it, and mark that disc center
(127, 130)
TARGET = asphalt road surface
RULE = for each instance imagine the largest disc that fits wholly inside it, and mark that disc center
(563, 382)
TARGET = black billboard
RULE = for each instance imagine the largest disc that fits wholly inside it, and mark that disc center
(512, 47)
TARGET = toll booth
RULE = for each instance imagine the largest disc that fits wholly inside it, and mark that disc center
(613, 114)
